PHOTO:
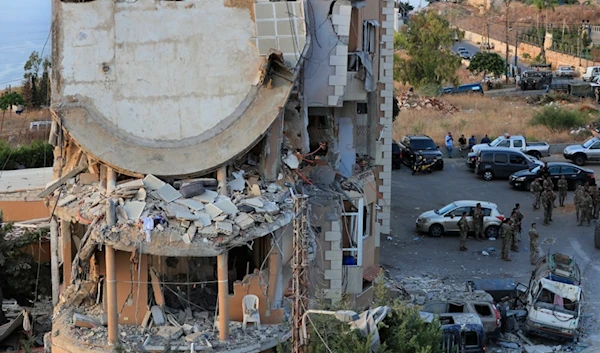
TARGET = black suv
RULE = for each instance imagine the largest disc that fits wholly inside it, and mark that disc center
(423, 145)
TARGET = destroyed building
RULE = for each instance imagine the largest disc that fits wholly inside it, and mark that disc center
(183, 133)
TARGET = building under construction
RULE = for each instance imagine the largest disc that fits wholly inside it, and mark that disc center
(207, 151)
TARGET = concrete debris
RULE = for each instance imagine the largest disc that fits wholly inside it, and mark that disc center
(168, 193)
(254, 191)
(67, 200)
(224, 227)
(204, 218)
(244, 221)
(153, 183)
(291, 161)
(208, 196)
(88, 178)
(409, 101)
(192, 189)
(186, 215)
(238, 183)
(226, 206)
(157, 315)
(191, 204)
(134, 209)
(213, 211)
(140, 195)
(253, 202)
(485, 253)
(169, 332)
(133, 184)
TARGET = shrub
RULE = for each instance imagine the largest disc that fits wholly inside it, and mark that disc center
(526, 56)
(558, 119)
(36, 155)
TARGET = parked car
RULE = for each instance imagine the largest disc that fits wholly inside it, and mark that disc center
(479, 303)
(575, 175)
(564, 71)
(396, 155)
(472, 159)
(423, 145)
(461, 49)
(587, 151)
(444, 220)
(466, 88)
(591, 72)
(517, 142)
(494, 163)
(465, 55)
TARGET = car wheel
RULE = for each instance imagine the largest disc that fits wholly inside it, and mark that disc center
(492, 232)
(536, 154)
(488, 175)
(436, 230)
(527, 185)
(440, 166)
(579, 160)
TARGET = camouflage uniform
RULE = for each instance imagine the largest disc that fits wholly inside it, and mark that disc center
(586, 209)
(463, 227)
(596, 200)
(548, 198)
(536, 191)
(516, 226)
(506, 234)
(562, 191)
(534, 237)
(548, 184)
(577, 200)
(478, 223)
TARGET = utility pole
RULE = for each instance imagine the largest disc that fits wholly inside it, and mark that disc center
(300, 274)
(506, 64)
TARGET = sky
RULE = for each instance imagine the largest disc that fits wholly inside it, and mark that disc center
(24, 27)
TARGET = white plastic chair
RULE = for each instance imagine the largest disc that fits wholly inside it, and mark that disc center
(250, 309)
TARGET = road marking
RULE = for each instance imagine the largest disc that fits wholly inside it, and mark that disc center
(579, 250)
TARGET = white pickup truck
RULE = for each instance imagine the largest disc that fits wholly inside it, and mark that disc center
(517, 142)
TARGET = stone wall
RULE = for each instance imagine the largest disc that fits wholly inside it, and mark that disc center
(553, 57)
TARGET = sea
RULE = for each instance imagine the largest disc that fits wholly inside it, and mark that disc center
(24, 28)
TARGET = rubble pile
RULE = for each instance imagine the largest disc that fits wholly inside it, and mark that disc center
(411, 101)
(178, 332)
(189, 211)
(421, 289)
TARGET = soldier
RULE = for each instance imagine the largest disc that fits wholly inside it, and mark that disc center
(586, 208)
(548, 198)
(596, 200)
(536, 192)
(578, 196)
(506, 234)
(478, 222)
(463, 227)
(562, 190)
(534, 237)
(549, 184)
(517, 218)
(586, 187)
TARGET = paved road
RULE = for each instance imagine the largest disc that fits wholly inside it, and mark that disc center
(411, 254)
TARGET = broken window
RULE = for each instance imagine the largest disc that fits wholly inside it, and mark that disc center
(470, 338)
(554, 302)
(369, 42)
(483, 309)
(366, 222)
(456, 308)
(354, 63)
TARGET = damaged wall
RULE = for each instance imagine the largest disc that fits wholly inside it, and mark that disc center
(127, 79)
(15, 211)
(255, 283)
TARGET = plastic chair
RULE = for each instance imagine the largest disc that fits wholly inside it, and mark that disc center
(250, 309)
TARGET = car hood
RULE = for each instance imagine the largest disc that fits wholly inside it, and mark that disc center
(428, 214)
(429, 153)
(524, 172)
(480, 146)
(573, 148)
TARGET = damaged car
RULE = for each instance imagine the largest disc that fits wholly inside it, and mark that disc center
(554, 298)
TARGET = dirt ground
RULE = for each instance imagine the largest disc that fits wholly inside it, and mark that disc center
(15, 129)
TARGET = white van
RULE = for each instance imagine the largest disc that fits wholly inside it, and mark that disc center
(591, 72)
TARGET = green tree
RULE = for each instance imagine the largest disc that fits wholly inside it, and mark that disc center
(36, 86)
(484, 62)
(427, 39)
(558, 119)
(543, 5)
(7, 100)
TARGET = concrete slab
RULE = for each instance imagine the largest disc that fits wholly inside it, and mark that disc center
(227, 207)
(254, 202)
(191, 204)
(212, 210)
(224, 228)
(186, 215)
(204, 218)
(26, 179)
(134, 209)
(153, 183)
(168, 193)
(132, 184)
(157, 315)
(208, 196)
